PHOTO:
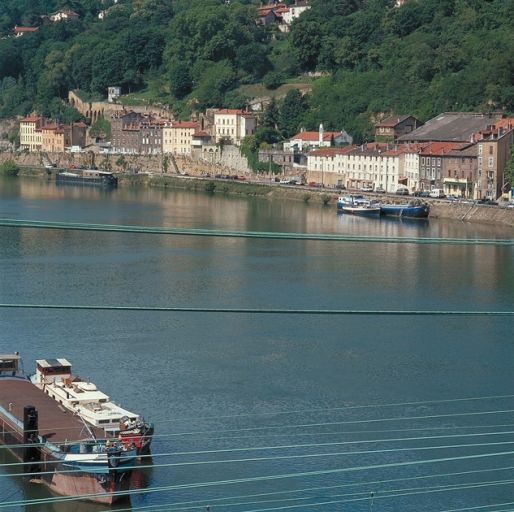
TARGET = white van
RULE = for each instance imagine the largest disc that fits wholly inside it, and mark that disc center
(438, 193)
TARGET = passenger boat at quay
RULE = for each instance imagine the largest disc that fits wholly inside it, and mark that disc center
(357, 205)
(55, 446)
(87, 177)
(54, 377)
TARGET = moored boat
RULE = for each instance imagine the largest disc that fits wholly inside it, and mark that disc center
(87, 177)
(53, 444)
(413, 209)
(54, 377)
(357, 205)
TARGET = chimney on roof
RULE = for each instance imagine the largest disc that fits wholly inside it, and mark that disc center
(321, 134)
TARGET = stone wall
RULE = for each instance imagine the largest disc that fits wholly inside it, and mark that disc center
(472, 213)
(92, 110)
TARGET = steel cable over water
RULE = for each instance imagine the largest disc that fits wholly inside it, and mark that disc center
(282, 447)
(254, 479)
(274, 458)
(114, 228)
(259, 311)
(311, 425)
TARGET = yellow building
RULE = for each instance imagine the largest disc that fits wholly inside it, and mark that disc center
(54, 138)
(178, 137)
(30, 133)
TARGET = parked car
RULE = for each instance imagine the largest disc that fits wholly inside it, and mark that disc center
(452, 197)
(380, 190)
(487, 201)
(437, 193)
(421, 193)
(340, 186)
(402, 192)
(284, 182)
(314, 184)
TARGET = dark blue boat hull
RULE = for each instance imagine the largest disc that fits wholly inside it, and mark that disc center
(400, 210)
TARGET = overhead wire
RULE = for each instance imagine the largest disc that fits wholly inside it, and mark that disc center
(320, 424)
(283, 447)
(259, 311)
(253, 479)
(384, 493)
(116, 228)
(260, 459)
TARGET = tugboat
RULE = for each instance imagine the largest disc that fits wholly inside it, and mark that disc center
(54, 445)
(54, 377)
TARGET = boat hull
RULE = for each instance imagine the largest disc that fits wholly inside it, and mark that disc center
(361, 211)
(400, 210)
(52, 461)
(86, 182)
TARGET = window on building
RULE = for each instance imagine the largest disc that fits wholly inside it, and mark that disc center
(491, 150)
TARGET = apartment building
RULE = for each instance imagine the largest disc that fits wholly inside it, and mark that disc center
(177, 137)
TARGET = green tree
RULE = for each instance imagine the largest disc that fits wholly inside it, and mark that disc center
(181, 82)
(292, 111)
(9, 168)
(271, 115)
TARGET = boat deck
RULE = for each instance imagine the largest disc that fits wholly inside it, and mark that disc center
(56, 424)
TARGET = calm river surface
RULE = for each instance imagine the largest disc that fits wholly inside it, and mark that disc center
(229, 382)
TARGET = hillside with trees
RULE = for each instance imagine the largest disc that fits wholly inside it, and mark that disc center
(371, 58)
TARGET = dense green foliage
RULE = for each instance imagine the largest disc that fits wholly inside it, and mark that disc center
(9, 168)
(425, 57)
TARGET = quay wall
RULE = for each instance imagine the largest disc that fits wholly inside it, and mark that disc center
(32, 163)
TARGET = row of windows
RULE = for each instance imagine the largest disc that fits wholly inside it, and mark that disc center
(427, 160)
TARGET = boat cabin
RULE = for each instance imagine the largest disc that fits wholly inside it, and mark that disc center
(11, 365)
(51, 370)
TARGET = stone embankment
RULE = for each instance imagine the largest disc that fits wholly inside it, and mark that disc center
(156, 165)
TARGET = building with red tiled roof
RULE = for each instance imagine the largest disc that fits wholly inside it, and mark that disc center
(177, 137)
(431, 163)
(306, 140)
(20, 31)
(136, 133)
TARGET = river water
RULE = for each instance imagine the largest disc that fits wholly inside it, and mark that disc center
(231, 382)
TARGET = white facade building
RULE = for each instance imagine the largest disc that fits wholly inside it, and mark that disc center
(371, 165)
(233, 125)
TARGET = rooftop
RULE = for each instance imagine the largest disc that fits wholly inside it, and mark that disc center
(451, 127)
(184, 124)
(392, 121)
(21, 30)
(314, 136)
(332, 151)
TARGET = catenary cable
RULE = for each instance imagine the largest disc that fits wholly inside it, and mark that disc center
(113, 228)
(280, 447)
(262, 459)
(259, 311)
